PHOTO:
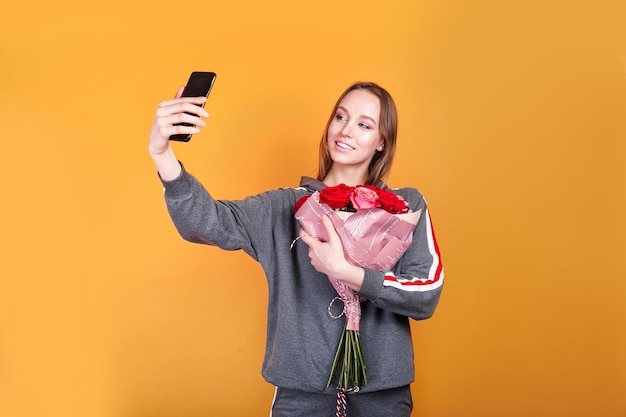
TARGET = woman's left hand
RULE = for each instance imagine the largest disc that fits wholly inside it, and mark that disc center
(328, 257)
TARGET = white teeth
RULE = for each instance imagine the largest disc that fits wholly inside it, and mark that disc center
(343, 145)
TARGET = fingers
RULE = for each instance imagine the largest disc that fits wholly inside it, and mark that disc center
(167, 119)
(184, 103)
(181, 110)
(180, 115)
(330, 228)
(166, 129)
(307, 238)
(326, 256)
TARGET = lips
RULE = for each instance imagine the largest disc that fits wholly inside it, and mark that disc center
(342, 145)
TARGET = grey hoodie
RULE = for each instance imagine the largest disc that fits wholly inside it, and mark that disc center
(301, 336)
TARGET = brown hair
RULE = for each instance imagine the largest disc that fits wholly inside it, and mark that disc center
(380, 165)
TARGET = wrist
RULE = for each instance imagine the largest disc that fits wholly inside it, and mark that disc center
(166, 163)
(350, 275)
(160, 151)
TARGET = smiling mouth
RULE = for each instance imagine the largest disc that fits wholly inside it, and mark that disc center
(344, 146)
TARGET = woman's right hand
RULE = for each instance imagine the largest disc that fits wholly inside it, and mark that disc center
(171, 112)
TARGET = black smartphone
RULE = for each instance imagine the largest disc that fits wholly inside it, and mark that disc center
(199, 84)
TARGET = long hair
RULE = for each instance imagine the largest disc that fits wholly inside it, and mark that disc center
(380, 165)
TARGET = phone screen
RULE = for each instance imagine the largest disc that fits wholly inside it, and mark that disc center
(199, 84)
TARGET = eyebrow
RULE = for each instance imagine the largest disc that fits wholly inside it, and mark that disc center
(363, 116)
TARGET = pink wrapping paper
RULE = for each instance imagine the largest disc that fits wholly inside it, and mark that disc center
(372, 238)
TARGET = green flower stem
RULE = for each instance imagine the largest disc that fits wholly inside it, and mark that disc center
(352, 372)
(332, 370)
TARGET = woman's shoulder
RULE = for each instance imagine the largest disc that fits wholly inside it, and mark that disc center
(307, 186)
(412, 195)
(287, 195)
(408, 191)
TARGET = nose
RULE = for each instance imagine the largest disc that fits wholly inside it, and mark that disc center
(347, 130)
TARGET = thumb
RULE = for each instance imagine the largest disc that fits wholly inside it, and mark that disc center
(306, 238)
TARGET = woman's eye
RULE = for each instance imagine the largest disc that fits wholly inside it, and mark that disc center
(364, 126)
(340, 117)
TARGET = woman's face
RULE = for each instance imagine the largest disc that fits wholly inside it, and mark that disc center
(354, 133)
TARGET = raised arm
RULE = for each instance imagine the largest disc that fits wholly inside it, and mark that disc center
(169, 113)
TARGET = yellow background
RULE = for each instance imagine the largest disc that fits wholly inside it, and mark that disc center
(512, 122)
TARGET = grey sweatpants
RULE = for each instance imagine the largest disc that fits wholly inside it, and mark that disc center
(396, 402)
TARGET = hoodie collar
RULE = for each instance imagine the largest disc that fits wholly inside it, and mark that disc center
(313, 185)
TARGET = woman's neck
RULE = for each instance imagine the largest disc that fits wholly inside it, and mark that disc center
(349, 178)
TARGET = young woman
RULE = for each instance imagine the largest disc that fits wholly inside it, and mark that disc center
(357, 148)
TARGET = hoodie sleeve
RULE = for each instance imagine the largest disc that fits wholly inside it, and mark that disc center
(229, 225)
(413, 288)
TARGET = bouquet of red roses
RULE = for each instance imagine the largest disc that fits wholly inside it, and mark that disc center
(376, 228)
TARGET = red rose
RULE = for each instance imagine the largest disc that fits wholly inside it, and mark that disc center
(392, 203)
(336, 197)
